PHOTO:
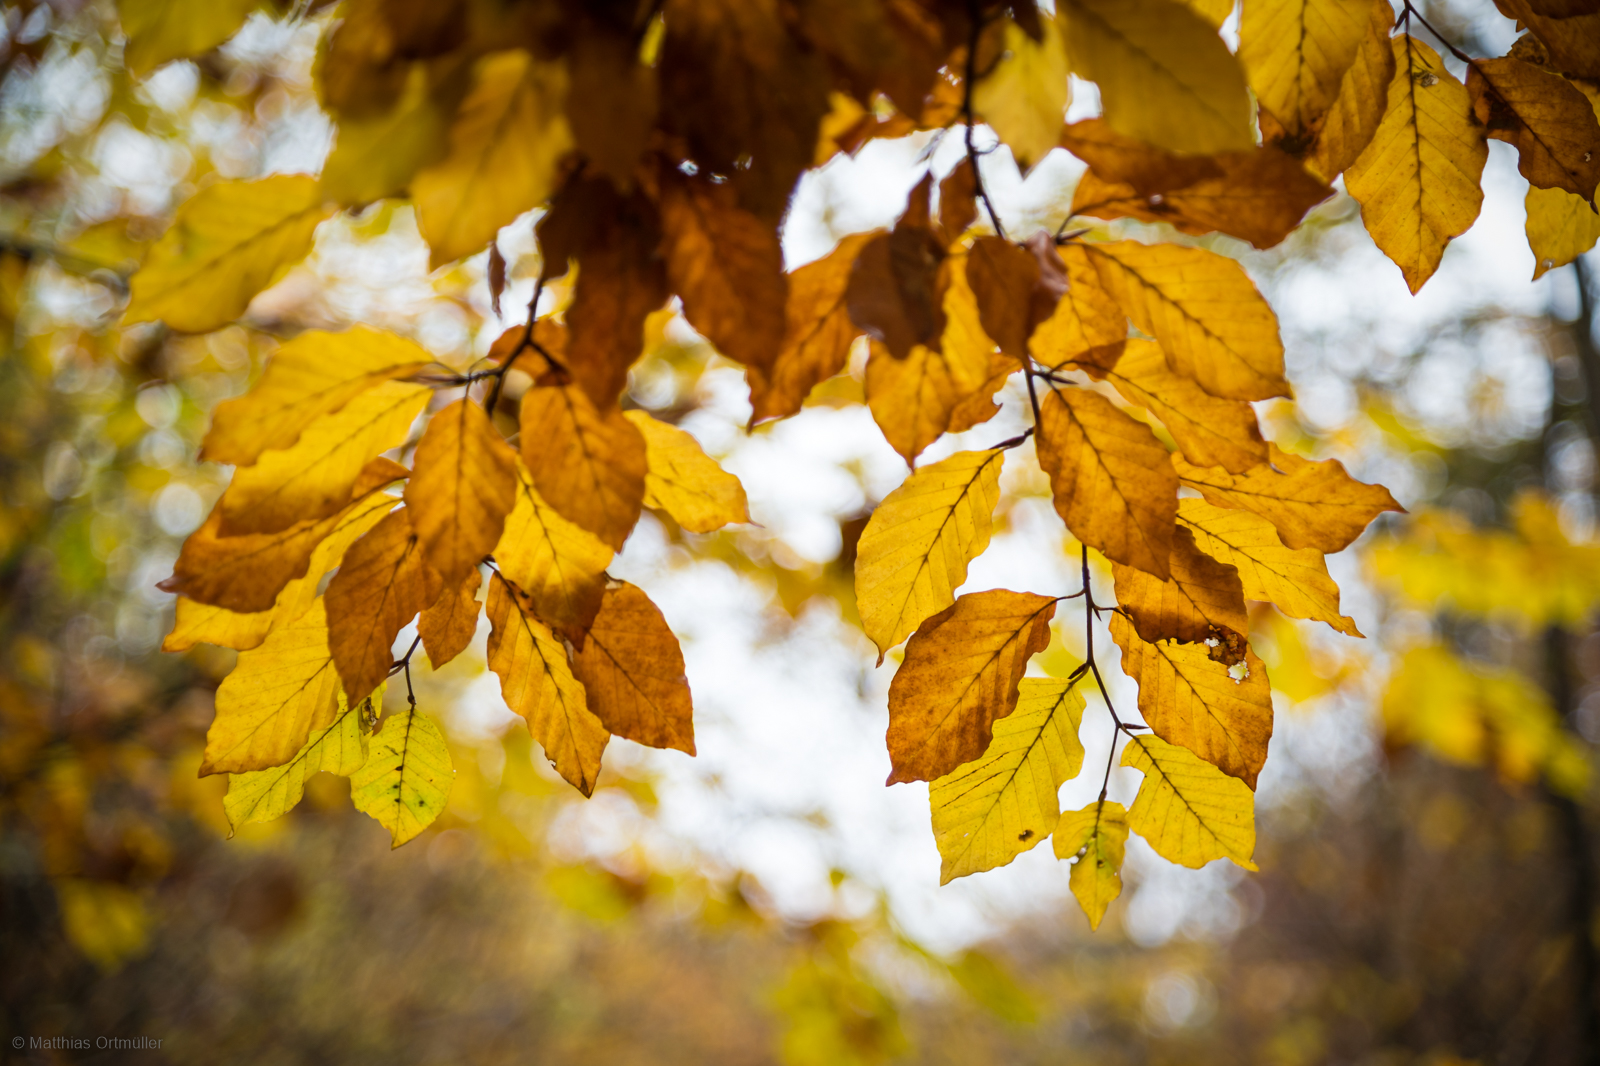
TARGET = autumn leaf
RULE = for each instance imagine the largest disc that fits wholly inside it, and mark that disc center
(1187, 809)
(1209, 431)
(227, 243)
(632, 671)
(1202, 600)
(958, 200)
(1016, 287)
(340, 748)
(462, 487)
(1296, 54)
(559, 566)
(1361, 103)
(383, 583)
(506, 145)
(405, 782)
(377, 153)
(162, 30)
(1551, 123)
(959, 676)
(1111, 479)
(1417, 181)
(1024, 97)
(614, 100)
(1312, 504)
(313, 374)
(1100, 832)
(1572, 36)
(1126, 160)
(589, 466)
(880, 46)
(1164, 75)
(448, 626)
(1190, 699)
(682, 480)
(914, 552)
(1560, 227)
(537, 682)
(1204, 311)
(989, 811)
(1088, 327)
(201, 623)
(897, 284)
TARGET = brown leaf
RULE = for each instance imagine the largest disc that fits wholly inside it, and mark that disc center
(463, 486)
(632, 669)
(1126, 161)
(613, 100)
(1312, 504)
(726, 265)
(896, 291)
(1202, 600)
(1551, 123)
(497, 276)
(381, 585)
(447, 627)
(960, 674)
(1112, 480)
(1573, 40)
(590, 467)
(1209, 431)
(1016, 288)
(883, 45)
(958, 200)
(1088, 327)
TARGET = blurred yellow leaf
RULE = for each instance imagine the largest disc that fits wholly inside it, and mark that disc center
(682, 480)
(1100, 831)
(1024, 98)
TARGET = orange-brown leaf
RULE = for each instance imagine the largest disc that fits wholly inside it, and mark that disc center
(1016, 288)
(896, 290)
(1209, 431)
(1127, 161)
(1088, 326)
(1201, 601)
(958, 200)
(382, 584)
(463, 485)
(1549, 121)
(632, 669)
(447, 627)
(588, 466)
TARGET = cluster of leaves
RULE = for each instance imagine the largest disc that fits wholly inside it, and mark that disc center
(662, 144)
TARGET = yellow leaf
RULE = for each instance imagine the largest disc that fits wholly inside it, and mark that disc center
(1192, 700)
(341, 748)
(313, 478)
(959, 676)
(377, 155)
(989, 811)
(1417, 181)
(314, 374)
(1312, 504)
(1297, 582)
(447, 627)
(463, 485)
(1088, 327)
(201, 623)
(506, 147)
(1111, 479)
(1363, 99)
(1205, 312)
(1545, 116)
(1209, 431)
(228, 242)
(1165, 76)
(1100, 831)
(559, 566)
(1187, 809)
(1560, 228)
(632, 672)
(275, 696)
(163, 30)
(106, 921)
(1296, 53)
(383, 583)
(1024, 98)
(405, 782)
(589, 466)
(1202, 600)
(537, 682)
(914, 551)
(684, 481)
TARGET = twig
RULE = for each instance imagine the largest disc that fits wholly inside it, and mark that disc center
(976, 17)
(1410, 12)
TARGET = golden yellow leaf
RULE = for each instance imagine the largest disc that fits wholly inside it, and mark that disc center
(684, 481)
(959, 676)
(1203, 598)
(914, 551)
(463, 485)
(1100, 831)
(314, 374)
(1165, 76)
(1024, 97)
(589, 466)
(1087, 327)
(405, 782)
(506, 146)
(989, 811)
(1417, 181)
(818, 334)
(201, 623)
(560, 567)
(1296, 54)
(383, 583)
(447, 627)
(1363, 98)
(228, 242)
(1312, 504)
(341, 748)
(1560, 228)
(537, 682)
(275, 696)
(1205, 312)
(1297, 582)
(979, 406)
(163, 30)
(313, 478)
(1209, 431)
(1192, 700)
(632, 672)
(1187, 809)
(1550, 122)
(1111, 479)
(378, 154)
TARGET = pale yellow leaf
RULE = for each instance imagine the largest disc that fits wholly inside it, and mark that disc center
(1187, 809)
(405, 782)
(1100, 831)
(682, 480)
(341, 748)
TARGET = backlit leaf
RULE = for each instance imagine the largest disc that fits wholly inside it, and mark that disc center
(1088, 326)
(1560, 228)
(1024, 97)
(1100, 831)
(1549, 121)
(1016, 287)
(1202, 600)
(1126, 160)
(559, 566)
(1296, 53)
(1187, 809)
(405, 782)
(1572, 36)
(378, 154)
(684, 481)
(896, 292)
(589, 466)
(958, 200)
(1209, 431)
(447, 627)
(341, 748)
(383, 583)
(1363, 99)
(163, 30)
(632, 672)
(463, 484)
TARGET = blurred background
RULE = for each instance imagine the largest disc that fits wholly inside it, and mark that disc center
(1427, 890)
